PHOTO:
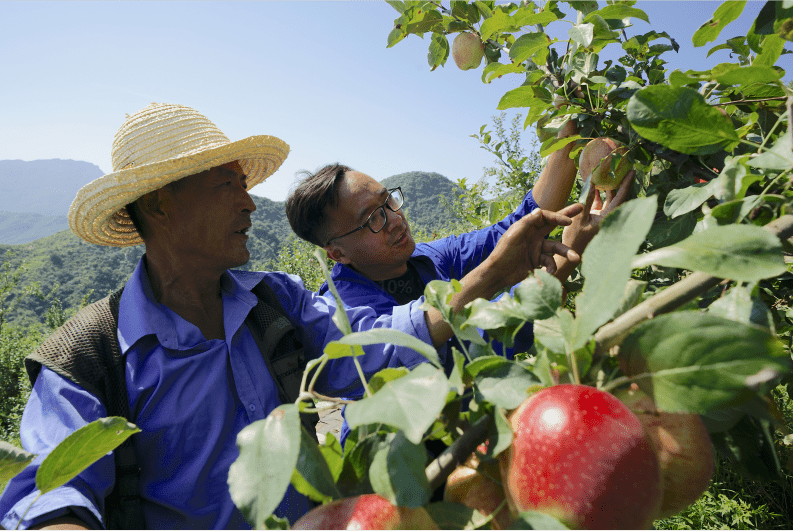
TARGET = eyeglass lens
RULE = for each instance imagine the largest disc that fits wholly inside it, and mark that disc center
(378, 218)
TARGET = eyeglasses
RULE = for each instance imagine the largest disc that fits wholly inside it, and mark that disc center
(377, 219)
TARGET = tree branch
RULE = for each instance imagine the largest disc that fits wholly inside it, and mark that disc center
(457, 453)
(775, 98)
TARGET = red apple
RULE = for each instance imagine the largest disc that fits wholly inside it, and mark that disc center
(683, 447)
(478, 485)
(582, 456)
(368, 511)
(596, 161)
(467, 51)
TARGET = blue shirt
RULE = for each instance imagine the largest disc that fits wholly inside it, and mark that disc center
(190, 397)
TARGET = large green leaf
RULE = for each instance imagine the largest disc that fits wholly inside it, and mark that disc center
(13, 460)
(740, 252)
(410, 403)
(397, 471)
(607, 265)
(668, 231)
(523, 96)
(501, 382)
(81, 449)
(341, 347)
(684, 200)
(680, 119)
(692, 361)
(537, 297)
(724, 14)
(269, 450)
(739, 304)
(312, 475)
(620, 12)
(449, 515)
(779, 157)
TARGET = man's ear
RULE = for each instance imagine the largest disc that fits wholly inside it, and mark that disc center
(151, 205)
(336, 254)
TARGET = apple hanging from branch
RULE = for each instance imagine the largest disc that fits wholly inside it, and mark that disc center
(367, 511)
(467, 51)
(581, 455)
(596, 162)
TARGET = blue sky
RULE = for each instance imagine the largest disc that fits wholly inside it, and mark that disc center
(316, 74)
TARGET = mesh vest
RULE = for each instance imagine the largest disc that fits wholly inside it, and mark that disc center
(85, 350)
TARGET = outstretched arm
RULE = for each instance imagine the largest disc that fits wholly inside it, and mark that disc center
(552, 189)
(521, 249)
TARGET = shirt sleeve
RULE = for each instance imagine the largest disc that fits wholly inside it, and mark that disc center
(456, 256)
(55, 409)
(312, 316)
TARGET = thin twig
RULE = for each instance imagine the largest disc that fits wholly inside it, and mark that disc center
(775, 98)
(438, 470)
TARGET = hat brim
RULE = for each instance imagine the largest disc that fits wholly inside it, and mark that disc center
(97, 213)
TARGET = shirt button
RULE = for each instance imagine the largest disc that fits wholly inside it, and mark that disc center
(252, 407)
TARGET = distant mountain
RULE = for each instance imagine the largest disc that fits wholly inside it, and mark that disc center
(81, 268)
(43, 186)
(23, 227)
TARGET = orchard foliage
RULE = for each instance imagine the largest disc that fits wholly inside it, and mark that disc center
(684, 293)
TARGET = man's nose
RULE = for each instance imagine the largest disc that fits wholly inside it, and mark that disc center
(393, 219)
(247, 201)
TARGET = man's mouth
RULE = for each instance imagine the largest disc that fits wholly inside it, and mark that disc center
(243, 231)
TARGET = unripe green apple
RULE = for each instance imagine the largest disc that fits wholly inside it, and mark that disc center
(478, 485)
(683, 447)
(579, 454)
(368, 511)
(467, 51)
(596, 161)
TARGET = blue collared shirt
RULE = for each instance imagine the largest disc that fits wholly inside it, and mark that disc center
(190, 397)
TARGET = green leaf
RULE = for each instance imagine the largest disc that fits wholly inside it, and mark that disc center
(583, 34)
(13, 460)
(555, 144)
(607, 265)
(680, 119)
(500, 22)
(80, 450)
(269, 450)
(773, 45)
(410, 403)
(725, 13)
(684, 200)
(397, 4)
(496, 70)
(502, 382)
(739, 305)
(386, 375)
(439, 50)
(668, 231)
(397, 471)
(376, 336)
(779, 157)
(333, 454)
(620, 12)
(740, 252)
(693, 361)
(536, 520)
(312, 476)
(527, 45)
(449, 515)
(523, 96)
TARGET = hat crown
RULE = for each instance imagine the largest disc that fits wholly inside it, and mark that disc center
(163, 131)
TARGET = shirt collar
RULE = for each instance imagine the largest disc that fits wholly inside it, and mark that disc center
(140, 314)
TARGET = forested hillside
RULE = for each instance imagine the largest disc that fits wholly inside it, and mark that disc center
(24, 227)
(84, 270)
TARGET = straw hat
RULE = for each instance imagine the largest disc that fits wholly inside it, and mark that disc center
(155, 146)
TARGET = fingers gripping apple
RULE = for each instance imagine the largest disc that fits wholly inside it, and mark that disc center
(596, 161)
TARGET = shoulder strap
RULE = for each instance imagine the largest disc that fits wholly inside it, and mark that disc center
(282, 350)
(85, 350)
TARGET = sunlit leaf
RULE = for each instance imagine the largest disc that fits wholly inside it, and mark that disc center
(376, 336)
(724, 14)
(606, 265)
(312, 476)
(680, 119)
(81, 449)
(500, 381)
(410, 403)
(738, 304)
(779, 157)
(684, 200)
(269, 450)
(740, 252)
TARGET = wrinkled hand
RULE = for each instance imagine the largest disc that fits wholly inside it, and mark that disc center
(523, 246)
(580, 232)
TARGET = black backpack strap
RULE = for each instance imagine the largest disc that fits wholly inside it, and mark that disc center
(85, 350)
(282, 350)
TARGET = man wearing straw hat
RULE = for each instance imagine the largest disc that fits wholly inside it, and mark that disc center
(192, 351)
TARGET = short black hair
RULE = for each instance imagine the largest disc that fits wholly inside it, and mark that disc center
(305, 206)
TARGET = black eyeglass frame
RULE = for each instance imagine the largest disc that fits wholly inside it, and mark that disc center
(369, 218)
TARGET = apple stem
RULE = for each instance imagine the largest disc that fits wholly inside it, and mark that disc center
(439, 469)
